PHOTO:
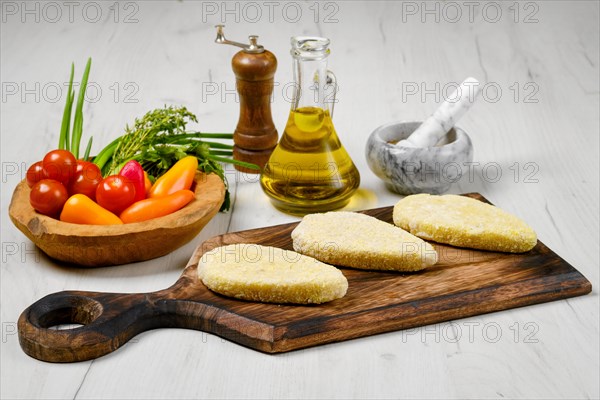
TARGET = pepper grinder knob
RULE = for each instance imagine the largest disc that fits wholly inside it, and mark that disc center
(255, 136)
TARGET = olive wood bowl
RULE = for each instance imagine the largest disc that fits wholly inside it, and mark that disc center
(103, 245)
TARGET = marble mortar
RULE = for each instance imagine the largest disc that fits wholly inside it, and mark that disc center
(410, 170)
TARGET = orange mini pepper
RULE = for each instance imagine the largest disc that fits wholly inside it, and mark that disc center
(80, 209)
(155, 207)
(179, 177)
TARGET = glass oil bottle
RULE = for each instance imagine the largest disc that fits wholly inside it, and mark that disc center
(309, 170)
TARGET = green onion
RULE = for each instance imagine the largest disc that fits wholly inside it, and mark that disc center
(86, 156)
(221, 153)
(106, 153)
(235, 162)
(78, 120)
(216, 145)
(63, 140)
(68, 134)
(210, 135)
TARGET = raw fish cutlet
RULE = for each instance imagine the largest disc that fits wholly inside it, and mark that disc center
(271, 275)
(464, 222)
(359, 241)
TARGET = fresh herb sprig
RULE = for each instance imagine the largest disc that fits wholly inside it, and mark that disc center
(159, 139)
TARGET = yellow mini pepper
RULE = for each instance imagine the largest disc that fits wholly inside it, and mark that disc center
(179, 177)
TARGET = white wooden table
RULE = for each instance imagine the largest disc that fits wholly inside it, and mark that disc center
(537, 124)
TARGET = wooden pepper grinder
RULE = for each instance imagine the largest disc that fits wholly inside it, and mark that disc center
(255, 136)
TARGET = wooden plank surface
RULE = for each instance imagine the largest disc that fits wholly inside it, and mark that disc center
(465, 282)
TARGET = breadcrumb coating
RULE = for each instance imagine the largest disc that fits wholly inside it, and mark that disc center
(464, 222)
(271, 275)
(359, 241)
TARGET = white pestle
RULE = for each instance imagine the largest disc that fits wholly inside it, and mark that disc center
(445, 117)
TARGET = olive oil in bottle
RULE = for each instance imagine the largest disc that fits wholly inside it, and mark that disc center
(309, 170)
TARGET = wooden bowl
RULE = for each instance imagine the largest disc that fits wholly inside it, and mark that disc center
(102, 245)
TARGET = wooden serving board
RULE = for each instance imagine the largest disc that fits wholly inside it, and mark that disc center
(464, 283)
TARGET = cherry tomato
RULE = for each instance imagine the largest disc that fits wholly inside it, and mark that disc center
(81, 164)
(86, 179)
(35, 173)
(60, 165)
(48, 197)
(115, 193)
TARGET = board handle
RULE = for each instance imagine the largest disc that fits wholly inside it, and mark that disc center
(108, 321)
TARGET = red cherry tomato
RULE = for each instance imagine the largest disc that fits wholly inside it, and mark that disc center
(81, 164)
(86, 179)
(48, 197)
(115, 193)
(60, 165)
(35, 173)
